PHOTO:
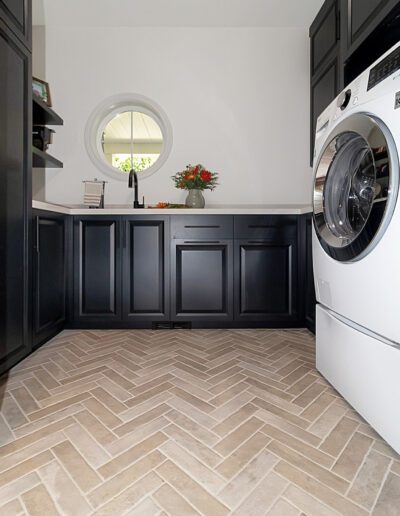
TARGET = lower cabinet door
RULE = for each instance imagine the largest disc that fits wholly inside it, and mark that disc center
(202, 280)
(49, 276)
(145, 272)
(97, 265)
(266, 281)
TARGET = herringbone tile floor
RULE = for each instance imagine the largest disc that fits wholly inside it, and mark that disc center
(209, 422)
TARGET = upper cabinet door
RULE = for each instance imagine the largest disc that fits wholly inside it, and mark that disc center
(17, 14)
(324, 35)
(363, 17)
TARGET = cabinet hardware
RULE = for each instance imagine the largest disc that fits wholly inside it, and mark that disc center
(202, 227)
(201, 242)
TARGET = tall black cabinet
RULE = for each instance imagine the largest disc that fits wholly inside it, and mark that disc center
(15, 181)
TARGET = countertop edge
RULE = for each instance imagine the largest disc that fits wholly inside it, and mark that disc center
(239, 210)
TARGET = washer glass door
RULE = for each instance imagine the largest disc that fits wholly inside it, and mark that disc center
(354, 187)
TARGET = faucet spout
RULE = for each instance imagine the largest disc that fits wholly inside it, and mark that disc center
(133, 183)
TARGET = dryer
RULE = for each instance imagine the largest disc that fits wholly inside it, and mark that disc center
(356, 244)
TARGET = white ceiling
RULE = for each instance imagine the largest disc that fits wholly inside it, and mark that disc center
(176, 13)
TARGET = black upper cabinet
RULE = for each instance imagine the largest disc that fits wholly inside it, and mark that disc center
(325, 63)
(362, 18)
(266, 269)
(18, 16)
(324, 34)
(97, 268)
(145, 275)
(202, 280)
(15, 186)
(49, 275)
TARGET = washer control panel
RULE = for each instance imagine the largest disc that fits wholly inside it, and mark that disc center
(384, 68)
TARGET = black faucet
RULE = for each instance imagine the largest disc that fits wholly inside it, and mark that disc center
(133, 181)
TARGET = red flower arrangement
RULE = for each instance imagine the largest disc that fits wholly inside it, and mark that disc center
(195, 178)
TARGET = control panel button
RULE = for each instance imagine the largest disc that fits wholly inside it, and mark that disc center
(344, 99)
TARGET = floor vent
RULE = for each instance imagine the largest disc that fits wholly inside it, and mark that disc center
(171, 325)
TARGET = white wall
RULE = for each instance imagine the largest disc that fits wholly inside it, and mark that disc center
(237, 98)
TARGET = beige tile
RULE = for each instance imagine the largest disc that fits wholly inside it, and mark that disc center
(44, 422)
(138, 451)
(63, 491)
(308, 466)
(114, 390)
(96, 429)
(173, 503)
(6, 434)
(388, 502)
(328, 420)
(308, 451)
(25, 400)
(149, 394)
(243, 455)
(339, 436)
(238, 436)
(317, 407)
(22, 442)
(231, 422)
(196, 447)
(146, 507)
(369, 479)
(301, 385)
(315, 488)
(241, 485)
(38, 414)
(191, 490)
(36, 389)
(108, 418)
(46, 379)
(148, 416)
(121, 481)
(38, 502)
(208, 478)
(396, 468)
(191, 426)
(12, 413)
(283, 508)
(25, 467)
(382, 447)
(80, 471)
(90, 450)
(309, 395)
(131, 496)
(12, 508)
(278, 411)
(352, 456)
(306, 503)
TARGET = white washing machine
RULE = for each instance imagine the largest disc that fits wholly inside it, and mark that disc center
(356, 244)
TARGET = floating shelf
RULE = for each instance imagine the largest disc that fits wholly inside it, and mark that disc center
(43, 115)
(41, 159)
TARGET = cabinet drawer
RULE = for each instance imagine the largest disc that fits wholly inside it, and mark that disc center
(265, 227)
(202, 227)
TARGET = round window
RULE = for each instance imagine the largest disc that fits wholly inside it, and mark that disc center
(128, 132)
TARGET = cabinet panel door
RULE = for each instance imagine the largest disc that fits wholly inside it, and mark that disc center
(324, 34)
(202, 280)
(362, 14)
(15, 121)
(266, 280)
(97, 268)
(17, 15)
(310, 289)
(146, 269)
(49, 276)
(324, 89)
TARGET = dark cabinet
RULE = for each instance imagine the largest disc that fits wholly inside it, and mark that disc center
(326, 80)
(266, 269)
(15, 188)
(202, 280)
(49, 275)
(97, 269)
(145, 273)
(18, 16)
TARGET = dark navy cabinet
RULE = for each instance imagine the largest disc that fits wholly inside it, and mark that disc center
(15, 194)
(97, 269)
(266, 269)
(49, 275)
(18, 16)
(145, 270)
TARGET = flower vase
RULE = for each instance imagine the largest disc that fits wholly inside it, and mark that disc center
(195, 199)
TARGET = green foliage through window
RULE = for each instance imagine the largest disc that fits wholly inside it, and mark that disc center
(139, 163)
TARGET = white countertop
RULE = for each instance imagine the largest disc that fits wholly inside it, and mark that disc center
(221, 209)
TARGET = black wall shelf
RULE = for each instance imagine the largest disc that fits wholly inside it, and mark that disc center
(43, 114)
(41, 159)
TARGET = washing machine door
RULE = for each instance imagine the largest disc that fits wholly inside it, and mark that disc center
(355, 187)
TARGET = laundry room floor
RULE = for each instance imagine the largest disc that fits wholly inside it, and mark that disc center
(209, 422)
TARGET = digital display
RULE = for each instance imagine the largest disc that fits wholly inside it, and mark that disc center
(384, 68)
